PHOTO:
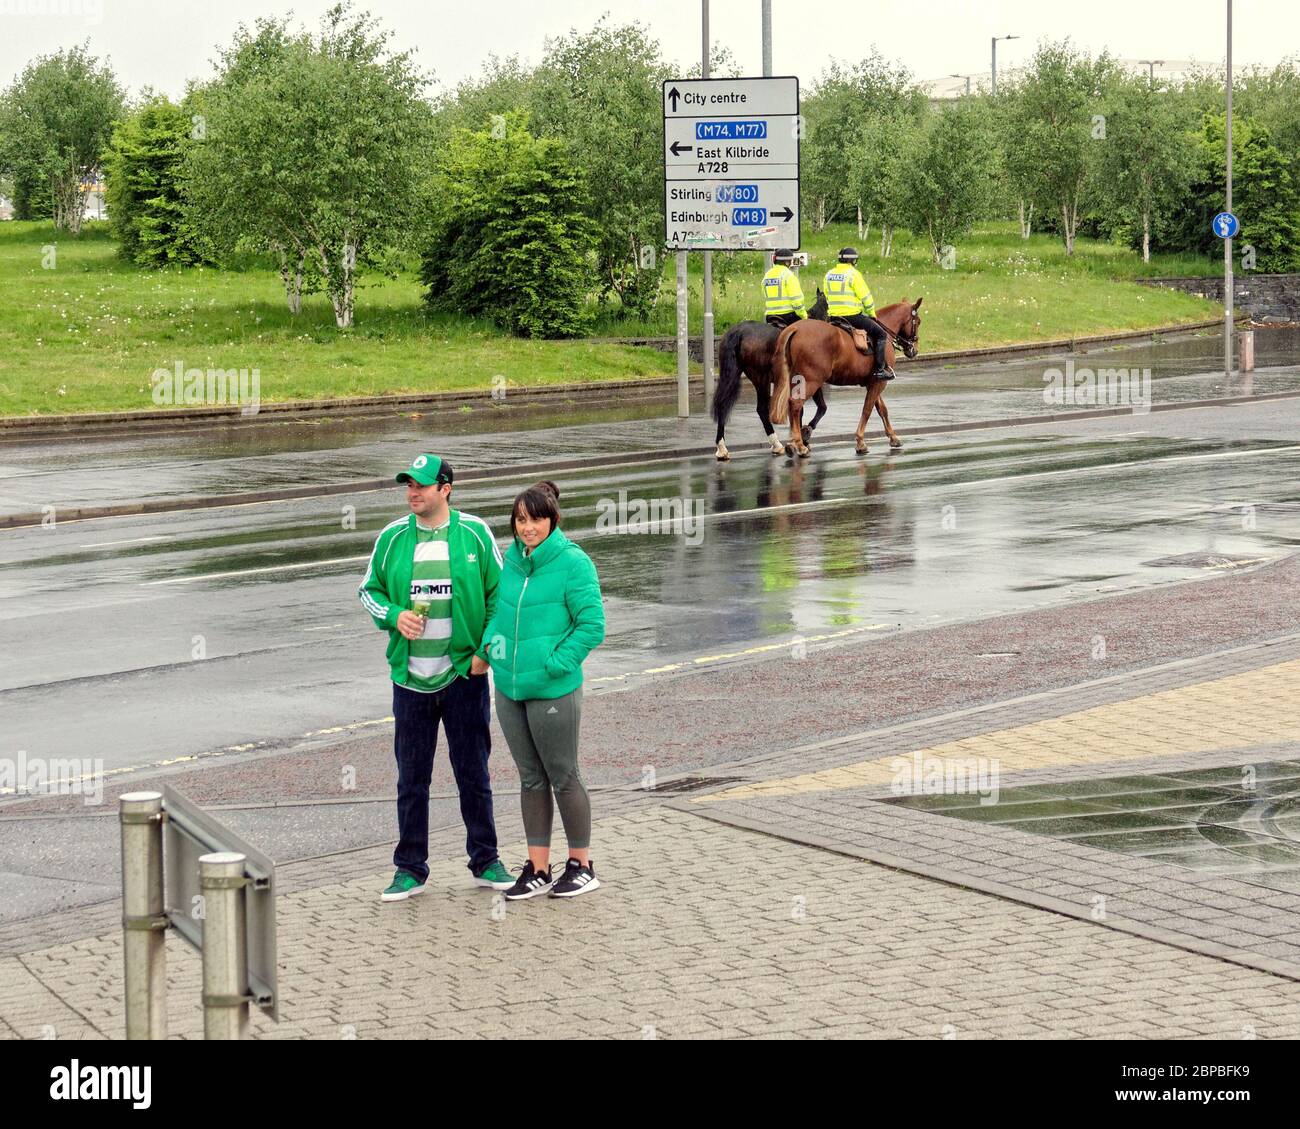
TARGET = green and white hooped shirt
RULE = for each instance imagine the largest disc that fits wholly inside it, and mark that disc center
(430, 666)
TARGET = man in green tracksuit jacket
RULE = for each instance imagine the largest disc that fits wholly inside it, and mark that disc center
(432, 585)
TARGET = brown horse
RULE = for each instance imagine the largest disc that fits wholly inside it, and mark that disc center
(810, 354)
(747, 350)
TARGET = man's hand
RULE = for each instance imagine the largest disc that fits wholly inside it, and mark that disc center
(410, 625)
(477, 666)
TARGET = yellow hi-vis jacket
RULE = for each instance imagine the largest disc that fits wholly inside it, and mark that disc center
(847, 292)
(782, 293)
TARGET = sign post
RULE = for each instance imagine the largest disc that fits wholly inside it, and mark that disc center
(1226, 236)
(707, 337)
(1225, 225)
(731, 181)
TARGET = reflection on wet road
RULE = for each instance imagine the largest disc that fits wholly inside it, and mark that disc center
(186, 632)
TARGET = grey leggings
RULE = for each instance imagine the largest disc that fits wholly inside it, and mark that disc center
(543, 737)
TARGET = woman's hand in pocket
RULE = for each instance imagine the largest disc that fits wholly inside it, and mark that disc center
(477, 666)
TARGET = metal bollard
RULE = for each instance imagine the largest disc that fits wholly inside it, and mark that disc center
(1246, 349)
(144, 916)
(225, 953)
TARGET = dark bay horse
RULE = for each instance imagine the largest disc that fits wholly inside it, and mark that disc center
(812, 354)
(747, 349)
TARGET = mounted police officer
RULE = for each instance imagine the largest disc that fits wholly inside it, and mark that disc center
(850, 301)
(782, 294)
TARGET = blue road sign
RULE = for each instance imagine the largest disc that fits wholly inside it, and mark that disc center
(1225, 225)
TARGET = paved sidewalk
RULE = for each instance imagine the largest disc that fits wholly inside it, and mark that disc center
(717, 920)
(701, 931)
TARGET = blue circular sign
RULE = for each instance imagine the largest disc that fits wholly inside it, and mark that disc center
(1225, 225)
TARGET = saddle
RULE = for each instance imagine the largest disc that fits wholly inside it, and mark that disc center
(861, 341)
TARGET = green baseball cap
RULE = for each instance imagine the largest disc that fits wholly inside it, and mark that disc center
(426, 470)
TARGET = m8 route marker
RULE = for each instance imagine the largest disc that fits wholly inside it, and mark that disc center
(731, 163)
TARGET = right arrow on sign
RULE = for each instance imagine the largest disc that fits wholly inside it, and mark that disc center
(785, 215)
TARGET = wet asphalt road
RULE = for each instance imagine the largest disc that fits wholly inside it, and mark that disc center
(37, 475)
(196, 631)
(234, 634)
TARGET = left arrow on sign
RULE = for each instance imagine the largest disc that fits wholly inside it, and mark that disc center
(677, 149)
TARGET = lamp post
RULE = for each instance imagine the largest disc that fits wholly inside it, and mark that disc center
(966, 77)
(995, 58)
(1151, 65)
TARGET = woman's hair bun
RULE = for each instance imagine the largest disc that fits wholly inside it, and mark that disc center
(550, 488)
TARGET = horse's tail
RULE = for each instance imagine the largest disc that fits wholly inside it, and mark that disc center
(779, 412)
(729, 373)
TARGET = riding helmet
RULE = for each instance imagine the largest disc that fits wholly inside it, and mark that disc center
(848, 254)
(784, 255)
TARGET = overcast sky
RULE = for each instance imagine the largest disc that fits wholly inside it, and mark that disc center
(163, 43)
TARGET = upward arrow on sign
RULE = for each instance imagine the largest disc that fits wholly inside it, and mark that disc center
(674, 94)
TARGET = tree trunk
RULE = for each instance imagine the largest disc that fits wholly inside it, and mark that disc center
(292, 280)
(861, 235)
(1146, 235)
(1067, 229)
(1026, 221)
(69, 200)
(342, 293)
(886, 239)
(821, 212)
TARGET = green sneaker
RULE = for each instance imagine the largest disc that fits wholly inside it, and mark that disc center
(405, 885)
(495, 875)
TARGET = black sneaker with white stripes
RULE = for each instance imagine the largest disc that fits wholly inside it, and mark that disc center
(530, 883)
(576, 879)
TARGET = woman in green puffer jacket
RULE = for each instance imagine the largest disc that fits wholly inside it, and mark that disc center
(548, 619)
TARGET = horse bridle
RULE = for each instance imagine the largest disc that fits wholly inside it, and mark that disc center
(909, 344)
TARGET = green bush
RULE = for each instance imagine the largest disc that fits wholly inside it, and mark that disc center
(145, 204)
(1264, 197)
(509, 237)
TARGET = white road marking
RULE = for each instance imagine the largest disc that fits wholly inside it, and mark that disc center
(128, 541)
(251, 571)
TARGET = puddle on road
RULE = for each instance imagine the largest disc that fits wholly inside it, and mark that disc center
(1206, 820)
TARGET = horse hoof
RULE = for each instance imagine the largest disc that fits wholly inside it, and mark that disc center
(895, 444)
(804, 452)
(861, 448)
(787, 450)
(723, 455)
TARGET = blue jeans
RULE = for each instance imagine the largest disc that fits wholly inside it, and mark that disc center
(463, 709)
